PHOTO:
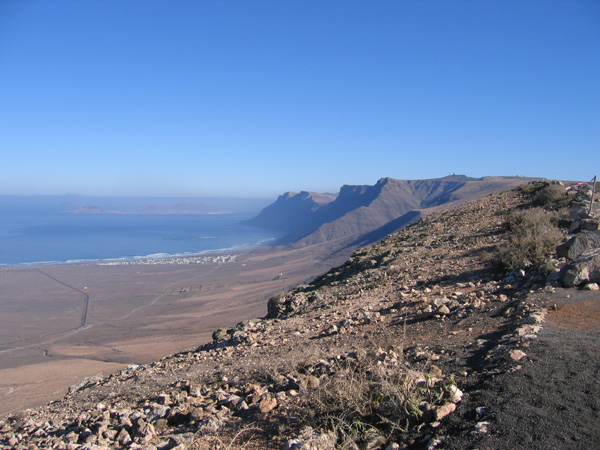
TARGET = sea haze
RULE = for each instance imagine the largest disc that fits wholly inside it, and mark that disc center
(36, 232)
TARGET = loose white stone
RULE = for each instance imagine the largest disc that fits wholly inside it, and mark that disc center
(480, 428)
(455, 394)
(516, 355)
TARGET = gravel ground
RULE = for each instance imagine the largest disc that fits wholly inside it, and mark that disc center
(554, 401)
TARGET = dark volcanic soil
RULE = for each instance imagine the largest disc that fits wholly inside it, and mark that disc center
(554, 401)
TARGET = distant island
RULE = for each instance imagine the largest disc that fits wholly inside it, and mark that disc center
(90, 205)
(188, 208)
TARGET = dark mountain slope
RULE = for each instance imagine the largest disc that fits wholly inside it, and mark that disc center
(291, 211)
(366, 214)
(387, 229)
(364, 211)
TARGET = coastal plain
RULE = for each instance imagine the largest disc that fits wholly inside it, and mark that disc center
(61, 323)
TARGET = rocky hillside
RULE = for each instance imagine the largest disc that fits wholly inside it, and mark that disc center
(359, 215)
(401, 347)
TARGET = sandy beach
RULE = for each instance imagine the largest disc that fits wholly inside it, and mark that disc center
(61, 323)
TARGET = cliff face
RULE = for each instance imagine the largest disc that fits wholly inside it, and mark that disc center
(365, 214)
(292, 211)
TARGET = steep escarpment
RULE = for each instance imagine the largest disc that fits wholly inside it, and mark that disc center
(365, 214)
(292, 212)
(423, 340)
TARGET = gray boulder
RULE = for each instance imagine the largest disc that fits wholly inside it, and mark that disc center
(220, 334)
(590, 225)
(579, 244)
(583, 270)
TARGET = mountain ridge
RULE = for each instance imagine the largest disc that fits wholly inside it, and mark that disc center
(357, 211)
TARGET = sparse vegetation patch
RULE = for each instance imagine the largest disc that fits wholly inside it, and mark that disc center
(552, 196)
(533, 237)
(371, 398)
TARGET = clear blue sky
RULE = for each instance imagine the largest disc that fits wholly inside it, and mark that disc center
(254, 98)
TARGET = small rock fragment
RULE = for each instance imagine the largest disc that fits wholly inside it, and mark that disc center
(480, 428)
(123, 437)
(516, 355)
(267, 404)
(444, 310)
(333, 329)
(455, 394)
(444, 410)
(435, 371)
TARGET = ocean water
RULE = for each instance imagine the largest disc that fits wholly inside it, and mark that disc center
(28, 237)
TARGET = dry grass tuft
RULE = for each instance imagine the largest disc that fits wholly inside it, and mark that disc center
(552, 196)
(368, 397)
(532, 238)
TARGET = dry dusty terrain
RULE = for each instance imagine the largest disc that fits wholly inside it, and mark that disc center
(421, 341)
(135, 314)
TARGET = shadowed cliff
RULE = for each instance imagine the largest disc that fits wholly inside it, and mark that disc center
(359, 215)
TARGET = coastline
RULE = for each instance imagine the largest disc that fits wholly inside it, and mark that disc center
(215, 259)
(48, 239)
(139, 312)
(201, 257)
